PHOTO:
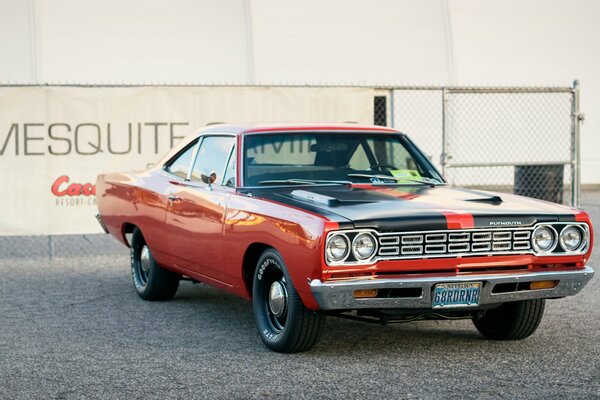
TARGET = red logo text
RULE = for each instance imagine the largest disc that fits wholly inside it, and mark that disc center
(61, 187)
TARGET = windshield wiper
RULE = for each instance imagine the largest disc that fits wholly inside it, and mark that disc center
(399, 181)
(302, 182)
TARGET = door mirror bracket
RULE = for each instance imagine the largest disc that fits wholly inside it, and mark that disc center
(208, 177)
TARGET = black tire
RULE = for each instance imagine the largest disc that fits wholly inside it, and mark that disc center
(285, 326)
(511, 321)
(151, 282)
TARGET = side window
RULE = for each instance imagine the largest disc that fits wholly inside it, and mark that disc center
(181, 164)
(212, 156)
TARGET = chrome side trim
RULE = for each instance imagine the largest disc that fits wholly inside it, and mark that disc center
(339, 295)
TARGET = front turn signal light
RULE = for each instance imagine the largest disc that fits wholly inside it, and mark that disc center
(542, 285)
(365, 293)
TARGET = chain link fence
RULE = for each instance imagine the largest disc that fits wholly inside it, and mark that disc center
(515, 140)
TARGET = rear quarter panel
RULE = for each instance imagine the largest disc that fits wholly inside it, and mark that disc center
(138, 199)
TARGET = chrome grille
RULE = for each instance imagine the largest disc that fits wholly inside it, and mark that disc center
(454, 243)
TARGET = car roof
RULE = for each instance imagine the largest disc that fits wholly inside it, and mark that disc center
(292, 127)
(243, 129)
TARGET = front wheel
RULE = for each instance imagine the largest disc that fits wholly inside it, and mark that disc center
(511, 321)
(284, 324)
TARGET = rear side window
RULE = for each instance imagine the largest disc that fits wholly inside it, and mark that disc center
(212, 156)
(180, 165)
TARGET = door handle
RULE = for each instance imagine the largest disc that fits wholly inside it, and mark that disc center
(173, 198)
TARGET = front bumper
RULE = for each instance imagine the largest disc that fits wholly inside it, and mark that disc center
(339, 295)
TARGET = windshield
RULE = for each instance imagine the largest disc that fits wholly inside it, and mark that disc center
(340, 157)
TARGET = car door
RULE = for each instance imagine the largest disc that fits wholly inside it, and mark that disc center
(196, 211)
(158, 187)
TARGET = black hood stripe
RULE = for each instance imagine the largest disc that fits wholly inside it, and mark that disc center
(413, 208)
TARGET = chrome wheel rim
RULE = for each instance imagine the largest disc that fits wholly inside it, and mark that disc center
(277, 299)
(145, 259)
(143, 270)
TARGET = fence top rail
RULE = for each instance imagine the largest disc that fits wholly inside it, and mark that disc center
(508, 90)
(509, 164)
(451, 89)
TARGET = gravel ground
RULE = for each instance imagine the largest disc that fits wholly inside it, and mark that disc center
(72, 327)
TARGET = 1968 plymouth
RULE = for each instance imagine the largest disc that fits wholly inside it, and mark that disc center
(347, 220)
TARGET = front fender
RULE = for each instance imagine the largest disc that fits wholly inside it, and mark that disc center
(297, 235)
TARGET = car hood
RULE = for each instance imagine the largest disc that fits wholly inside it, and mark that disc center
(402, 208)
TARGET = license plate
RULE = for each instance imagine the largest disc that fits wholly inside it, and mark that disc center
(446, 295)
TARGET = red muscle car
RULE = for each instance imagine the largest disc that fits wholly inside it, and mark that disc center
(346, 220)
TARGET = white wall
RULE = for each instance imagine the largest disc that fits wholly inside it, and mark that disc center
(489, 42)
(536, 42)
(17, 50)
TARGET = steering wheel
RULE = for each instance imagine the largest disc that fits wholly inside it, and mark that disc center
(381, 166)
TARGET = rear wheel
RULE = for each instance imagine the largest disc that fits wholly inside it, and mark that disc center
(151, 282)
(284, 324)
(511, 321)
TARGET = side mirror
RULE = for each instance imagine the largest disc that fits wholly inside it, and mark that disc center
(208, 177)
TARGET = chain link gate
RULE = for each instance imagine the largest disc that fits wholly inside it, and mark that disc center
(515, 140)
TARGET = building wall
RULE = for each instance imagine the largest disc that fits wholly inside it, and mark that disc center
(438, 42)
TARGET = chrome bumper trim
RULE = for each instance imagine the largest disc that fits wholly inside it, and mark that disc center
(101, 223)
(338, 295)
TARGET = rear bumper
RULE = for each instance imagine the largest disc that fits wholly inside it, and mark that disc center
(339, 295)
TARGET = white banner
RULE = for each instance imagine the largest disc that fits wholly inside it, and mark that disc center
(54, 141)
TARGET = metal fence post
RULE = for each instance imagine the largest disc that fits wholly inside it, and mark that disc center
(576, 118)
(392, 109)
(444, 155)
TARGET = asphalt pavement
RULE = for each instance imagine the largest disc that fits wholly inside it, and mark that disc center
(73, 328)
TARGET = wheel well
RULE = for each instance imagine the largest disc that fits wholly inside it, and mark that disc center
(126, 230)
(253, 253)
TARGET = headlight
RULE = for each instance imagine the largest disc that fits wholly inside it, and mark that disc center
(363, 246)
(571, 238)
(337, 247)
(543, 239)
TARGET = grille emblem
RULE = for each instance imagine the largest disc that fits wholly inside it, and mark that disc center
(505, 223)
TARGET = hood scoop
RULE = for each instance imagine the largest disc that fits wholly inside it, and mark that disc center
(495, 200)
(317, 198)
